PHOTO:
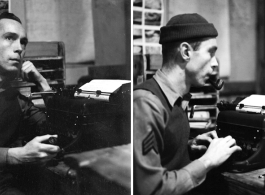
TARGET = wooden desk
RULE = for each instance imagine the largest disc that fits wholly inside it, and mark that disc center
(97, 172)
(103, 171)
(244, 183)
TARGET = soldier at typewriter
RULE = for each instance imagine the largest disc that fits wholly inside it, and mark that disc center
(19, 163)
(162, 164)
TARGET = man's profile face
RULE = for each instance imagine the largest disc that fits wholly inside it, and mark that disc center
(12, 46)
(202, 62)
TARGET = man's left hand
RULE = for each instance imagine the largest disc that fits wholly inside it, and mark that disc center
(201, 142)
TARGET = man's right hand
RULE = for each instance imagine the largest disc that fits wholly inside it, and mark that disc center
(219, 151)
(34, 152)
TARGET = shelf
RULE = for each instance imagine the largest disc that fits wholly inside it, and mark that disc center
(204, 107)
(207, 88)
(204, 99)
(152, 44)
(203, 96)
(51, 70)
(29, 84)
(200, 120)
(20, 83)
(202, 125)
(146, 27)
(141, 9)
(148, 17)
(43, 58)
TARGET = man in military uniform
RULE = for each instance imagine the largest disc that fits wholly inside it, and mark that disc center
(16, 111)
(161, 128)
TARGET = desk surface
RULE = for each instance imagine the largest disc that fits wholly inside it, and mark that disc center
(103, 171)
(245, 183)
(97, 172)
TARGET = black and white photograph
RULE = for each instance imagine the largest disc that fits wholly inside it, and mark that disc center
(132, 97)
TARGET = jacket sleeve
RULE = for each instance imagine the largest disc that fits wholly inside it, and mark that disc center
(32, 116)
(149, 176)
(3, 155)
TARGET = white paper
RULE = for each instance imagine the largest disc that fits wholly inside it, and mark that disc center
(104, 97)
(104, 85)
(253, 103)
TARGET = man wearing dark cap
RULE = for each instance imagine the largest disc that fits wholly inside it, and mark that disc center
(161, 128)
(16, 111)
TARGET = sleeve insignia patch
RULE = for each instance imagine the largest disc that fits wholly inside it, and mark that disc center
(149, 143)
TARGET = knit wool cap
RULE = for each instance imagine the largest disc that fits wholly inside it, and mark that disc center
(7, 15)
(186, 26)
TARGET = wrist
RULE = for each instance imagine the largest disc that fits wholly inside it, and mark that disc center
(12, 156)
(206, 162)
(43, 84)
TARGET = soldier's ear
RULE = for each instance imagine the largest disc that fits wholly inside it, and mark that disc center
(185, 51)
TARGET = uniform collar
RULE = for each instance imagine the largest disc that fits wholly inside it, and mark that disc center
(171, 94)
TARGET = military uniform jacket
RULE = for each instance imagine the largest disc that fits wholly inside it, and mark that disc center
(161, 132)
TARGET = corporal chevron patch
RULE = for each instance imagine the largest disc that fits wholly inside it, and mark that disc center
(149, 143)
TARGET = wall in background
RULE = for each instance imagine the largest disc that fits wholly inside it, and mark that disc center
(67, 21)
(74, 23)
(243, 39)
(112, 32)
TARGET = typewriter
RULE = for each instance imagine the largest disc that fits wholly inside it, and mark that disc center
(244, 120)
(84, 124)
(93, 135)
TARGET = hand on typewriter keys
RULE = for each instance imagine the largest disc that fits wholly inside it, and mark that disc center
(219, 151)
(34, 152)
(201, 142)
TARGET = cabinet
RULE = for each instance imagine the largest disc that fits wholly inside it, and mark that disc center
(203, 106)
(147, 21)
(49, 59)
